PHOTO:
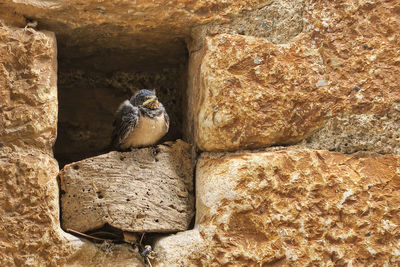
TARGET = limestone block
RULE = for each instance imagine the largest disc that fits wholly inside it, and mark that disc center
(30, 233)
(30, 227)
(181, 249)
(251, 93)
(28, 88)
(291, 207)
(145, 190)
(29, 208)
(349, 133)
(151, 32)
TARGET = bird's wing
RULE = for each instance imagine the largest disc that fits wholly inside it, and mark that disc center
(126, 119)
(166, 117)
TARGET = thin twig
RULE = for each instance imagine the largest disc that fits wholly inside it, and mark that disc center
(141, 239)
(89, 236)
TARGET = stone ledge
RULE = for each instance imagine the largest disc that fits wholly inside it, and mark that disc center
(145, 190)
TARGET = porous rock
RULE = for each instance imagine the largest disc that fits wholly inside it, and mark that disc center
(349, 133)
(251, 93)
(347, 52)
(150, 32)
(29, 205)
(291, 207)
(28, 88)
(145, 190)
(30, 226)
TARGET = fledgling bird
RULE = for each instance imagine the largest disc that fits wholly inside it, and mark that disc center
(139, 122)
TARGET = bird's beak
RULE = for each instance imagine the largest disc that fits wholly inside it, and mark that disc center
(149, 101)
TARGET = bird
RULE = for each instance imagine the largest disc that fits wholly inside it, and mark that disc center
(139, 122)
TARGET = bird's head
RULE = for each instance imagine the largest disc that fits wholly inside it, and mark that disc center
(145, 98)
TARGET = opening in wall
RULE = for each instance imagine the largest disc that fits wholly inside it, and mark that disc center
(91, 87)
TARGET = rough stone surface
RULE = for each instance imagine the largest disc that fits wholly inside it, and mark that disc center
(149, 32)
(28, 88)
(29, 215)
(181, 249)
(349, 133)
(249, 92)
(292, 207)
(145, 190)
(30, 233)
(106, 254)
(321, 72)
(278, 22)
(29, 208)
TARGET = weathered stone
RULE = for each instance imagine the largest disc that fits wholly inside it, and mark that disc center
(29, 208)
(30, 227)
(104, 34)
(145, 190)
(349, 133)
(294, 207)
(339, 75)
(28, 88)
(105, 254)
(277, 21)
(181, 249)
(251, 93)
(30, 233)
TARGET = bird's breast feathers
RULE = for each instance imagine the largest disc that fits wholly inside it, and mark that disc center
(147, 132)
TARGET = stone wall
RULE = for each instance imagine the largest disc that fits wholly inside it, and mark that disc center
(293, 106)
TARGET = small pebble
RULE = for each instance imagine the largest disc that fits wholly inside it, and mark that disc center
(368, 234)
(322, 83)
(257, 60)
(357, 88)
(261, 211)
(365, 46)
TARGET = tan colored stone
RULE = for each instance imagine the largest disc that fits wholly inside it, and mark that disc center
(29, 208)
(28, 88)
(145, 190)
(310, 84)
(182, 249)
(103, 34)
(30, 228)
(250, 93)
(293, 207)
(30, 233)
(349, 133)
(277, 21)
(106, 254)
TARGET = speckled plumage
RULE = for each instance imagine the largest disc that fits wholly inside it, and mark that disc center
(139, 122)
